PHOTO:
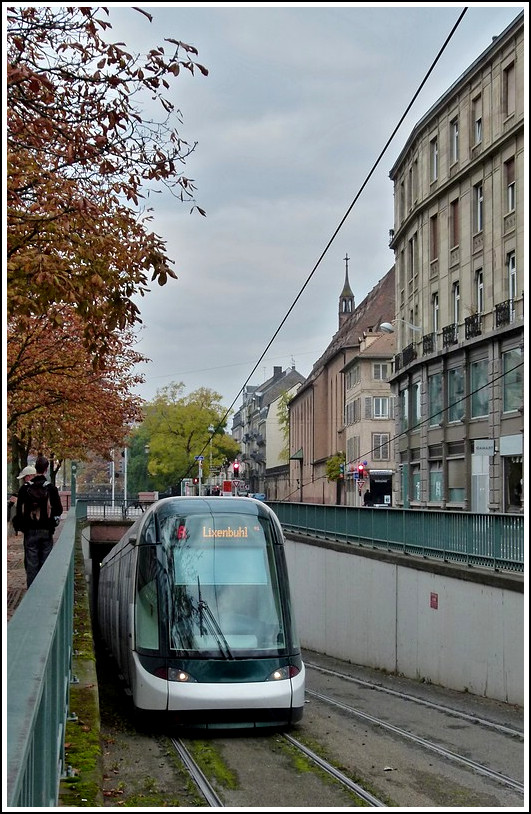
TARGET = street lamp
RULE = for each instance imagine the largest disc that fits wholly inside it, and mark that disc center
(388, 327)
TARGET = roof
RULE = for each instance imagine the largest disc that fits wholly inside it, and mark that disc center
(377, 307)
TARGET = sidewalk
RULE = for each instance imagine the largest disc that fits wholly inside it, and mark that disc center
(15, 571)
(16, 575)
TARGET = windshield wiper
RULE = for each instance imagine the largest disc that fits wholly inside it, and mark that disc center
(211, 624)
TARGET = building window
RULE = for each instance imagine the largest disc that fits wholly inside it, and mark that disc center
(477, 125)
(511, 270)
(456, 391)
(404, 409)
(380, 371)
(479, 391)
(353, 448)
(510, 186)
(456, 480)
(412, 259)
(513, 377)
(435, 312)
(509, 90)
(416, 404)
(478, 208)
(454, 223)
(456, 300)
(380, 446)
(435, 399)
(436, 481)
(434, 237)
(415, 482)
(380, 407)
(454, 141)
(353, 376)
(479, 291)
(434, 160)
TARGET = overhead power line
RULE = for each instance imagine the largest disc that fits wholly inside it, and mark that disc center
(347, 213)
(343, 219)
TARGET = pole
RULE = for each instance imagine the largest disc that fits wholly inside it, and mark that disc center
(125, 476)
(73, 482)
(200, 488)
(112, 478)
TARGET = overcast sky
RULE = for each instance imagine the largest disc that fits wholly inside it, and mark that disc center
(299, 103)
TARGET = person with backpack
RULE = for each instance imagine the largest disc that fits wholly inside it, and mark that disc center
(38, 509)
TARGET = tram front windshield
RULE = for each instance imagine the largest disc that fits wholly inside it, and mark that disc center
(224, 585)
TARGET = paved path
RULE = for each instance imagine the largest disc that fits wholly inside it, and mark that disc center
(15, 572)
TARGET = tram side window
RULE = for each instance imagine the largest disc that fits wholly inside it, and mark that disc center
(147, 605)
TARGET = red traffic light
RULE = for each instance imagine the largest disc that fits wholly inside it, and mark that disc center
(236, 467)
(196, 480)
(360, 468)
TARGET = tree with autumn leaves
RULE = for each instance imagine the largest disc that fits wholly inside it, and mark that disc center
(82, 157)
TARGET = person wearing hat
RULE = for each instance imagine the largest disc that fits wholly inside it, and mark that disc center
(26, 474)
(38, 506)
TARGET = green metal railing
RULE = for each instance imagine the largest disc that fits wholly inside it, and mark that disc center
(39, 657)
(488, 540)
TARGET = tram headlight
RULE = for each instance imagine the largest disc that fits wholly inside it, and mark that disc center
(282, 673)
(174, 674)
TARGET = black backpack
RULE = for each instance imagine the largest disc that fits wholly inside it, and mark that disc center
(37, 506)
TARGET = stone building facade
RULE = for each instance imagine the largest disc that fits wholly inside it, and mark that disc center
(320, 425)
(459, 190)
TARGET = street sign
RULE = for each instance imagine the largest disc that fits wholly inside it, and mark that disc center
(356, 475)
(199, 457)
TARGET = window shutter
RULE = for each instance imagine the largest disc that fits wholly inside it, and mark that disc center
(368, 407)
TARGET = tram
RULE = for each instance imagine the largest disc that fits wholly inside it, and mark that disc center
(194, 605)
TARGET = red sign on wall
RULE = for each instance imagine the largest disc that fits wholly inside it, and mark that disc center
(434, 601)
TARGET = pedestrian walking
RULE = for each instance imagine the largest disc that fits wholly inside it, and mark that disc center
(39, 508)
(26, 475)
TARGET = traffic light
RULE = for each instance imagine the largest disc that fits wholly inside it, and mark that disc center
(196, 480)
(341, 470)
(361, 470)
(236, 468)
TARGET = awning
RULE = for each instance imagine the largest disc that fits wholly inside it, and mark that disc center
(297, 456)
(380, 472)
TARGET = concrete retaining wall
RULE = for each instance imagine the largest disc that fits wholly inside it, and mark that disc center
(460, 628)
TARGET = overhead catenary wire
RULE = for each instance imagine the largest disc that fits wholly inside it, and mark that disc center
(339, 226)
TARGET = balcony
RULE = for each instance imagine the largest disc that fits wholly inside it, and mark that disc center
(409, 354)
(428, 343)
(504, 313)
(449, 333)
(473, 326)
(397, 362)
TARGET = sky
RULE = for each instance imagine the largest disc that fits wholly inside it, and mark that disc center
(299, 103)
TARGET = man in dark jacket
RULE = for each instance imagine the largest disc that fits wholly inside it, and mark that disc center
(38, 527)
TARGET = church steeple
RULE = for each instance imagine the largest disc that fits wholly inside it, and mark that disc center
(346, 299)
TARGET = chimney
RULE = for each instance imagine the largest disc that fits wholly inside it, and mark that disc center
(277, 371)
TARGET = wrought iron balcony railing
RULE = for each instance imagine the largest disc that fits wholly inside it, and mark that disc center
(428, 343)
(449, 333)
(473, 326)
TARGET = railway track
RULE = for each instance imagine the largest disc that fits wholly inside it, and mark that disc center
(215, 800)
(366, 740)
